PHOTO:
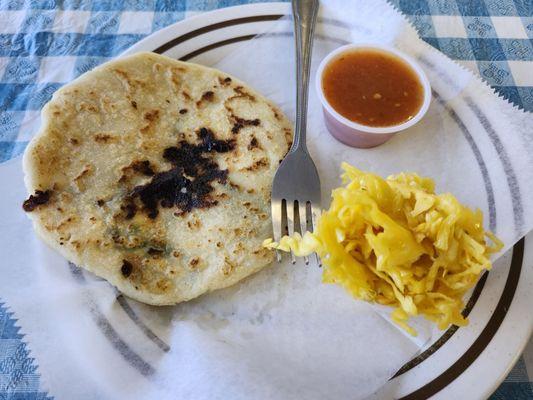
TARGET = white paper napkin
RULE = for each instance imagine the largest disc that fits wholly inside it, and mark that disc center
(280, 333)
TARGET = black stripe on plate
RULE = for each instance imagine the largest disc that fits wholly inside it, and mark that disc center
(224, 24)
(484, 338)
(118, 343)
(237, 39)
(141, 325)
(449, 332)
(512, 180)
(237, 21)
(109, 332)
(195, 53)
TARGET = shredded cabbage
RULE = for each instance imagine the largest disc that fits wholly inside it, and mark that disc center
(395, 242)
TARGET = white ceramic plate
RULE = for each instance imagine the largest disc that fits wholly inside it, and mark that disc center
(464, 363)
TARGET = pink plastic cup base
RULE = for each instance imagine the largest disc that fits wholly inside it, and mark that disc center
(353, 137)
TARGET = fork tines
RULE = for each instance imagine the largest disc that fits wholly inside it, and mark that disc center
(296, 216)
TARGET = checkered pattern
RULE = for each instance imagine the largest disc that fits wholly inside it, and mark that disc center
(45, 43)
(19, 379)
(492, 37)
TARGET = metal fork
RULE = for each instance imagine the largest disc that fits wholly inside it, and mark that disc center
(296, 186)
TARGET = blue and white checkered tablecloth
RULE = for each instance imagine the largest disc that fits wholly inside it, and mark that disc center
(38, 37)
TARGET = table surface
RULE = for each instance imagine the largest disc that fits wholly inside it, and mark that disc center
(45, 43)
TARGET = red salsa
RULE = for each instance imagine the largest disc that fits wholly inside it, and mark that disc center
(372, 87)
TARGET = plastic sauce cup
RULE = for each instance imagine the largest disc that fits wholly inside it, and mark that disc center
(359, 135)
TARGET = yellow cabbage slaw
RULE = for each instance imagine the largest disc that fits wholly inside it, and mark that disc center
(395, 242)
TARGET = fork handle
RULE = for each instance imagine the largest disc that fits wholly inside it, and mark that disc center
(304, 14)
